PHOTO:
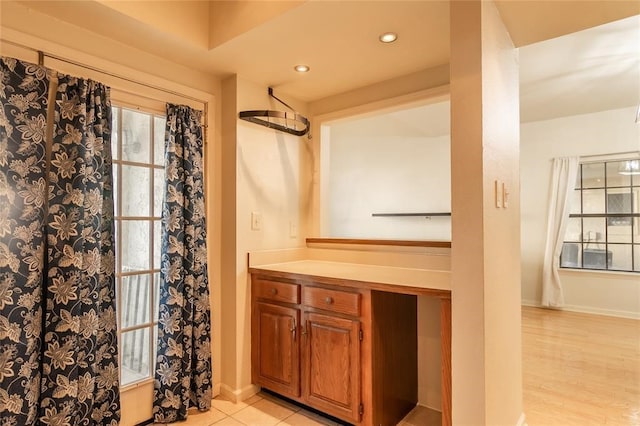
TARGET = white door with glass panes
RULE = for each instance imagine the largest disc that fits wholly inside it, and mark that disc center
(138, 170)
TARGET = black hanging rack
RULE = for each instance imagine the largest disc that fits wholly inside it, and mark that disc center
(287, 122)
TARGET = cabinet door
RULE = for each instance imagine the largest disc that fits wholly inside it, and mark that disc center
(331, 365)
(276, 349)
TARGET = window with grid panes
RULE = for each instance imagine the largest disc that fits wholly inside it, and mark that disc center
(603, 231)
(138, 154)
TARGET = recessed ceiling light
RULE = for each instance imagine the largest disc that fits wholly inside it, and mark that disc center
(302, 68)
(388, 37)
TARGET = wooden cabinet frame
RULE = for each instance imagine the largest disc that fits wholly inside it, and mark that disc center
(378, 324)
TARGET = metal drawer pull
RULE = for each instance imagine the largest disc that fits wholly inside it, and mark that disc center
(293, 329)
(328, 300)
(274, 291)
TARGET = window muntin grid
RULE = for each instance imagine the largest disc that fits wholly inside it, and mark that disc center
(603, 231)
(138, 153)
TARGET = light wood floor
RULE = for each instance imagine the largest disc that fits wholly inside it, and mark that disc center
(580, 369)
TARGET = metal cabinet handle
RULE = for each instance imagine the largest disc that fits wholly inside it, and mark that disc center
(274, 291)
(293, 329)
(328, 300)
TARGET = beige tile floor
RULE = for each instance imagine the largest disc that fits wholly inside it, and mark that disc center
(267, 410)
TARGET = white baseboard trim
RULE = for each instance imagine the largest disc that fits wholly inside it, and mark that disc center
(521, 420)
(530, 303)
(588, 310)
(238, 395)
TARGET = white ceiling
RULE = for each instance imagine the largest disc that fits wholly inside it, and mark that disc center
(591, 70)
(339, 41)
(588, 71)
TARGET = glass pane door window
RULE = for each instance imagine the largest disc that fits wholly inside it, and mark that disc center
(138, 154)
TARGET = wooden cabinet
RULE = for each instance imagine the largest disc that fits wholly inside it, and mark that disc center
(276, 340)
(331, 365)
(346, 351)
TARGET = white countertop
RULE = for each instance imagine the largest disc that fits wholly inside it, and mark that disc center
(388, 275)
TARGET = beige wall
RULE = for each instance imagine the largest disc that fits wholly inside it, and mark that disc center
(408, 86)
(228, 244)
(501, 141)
(186, 19)
(230, 19)
(485, 270)
(265, 172)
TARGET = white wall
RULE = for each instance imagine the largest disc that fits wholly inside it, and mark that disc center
(599, 133)
(379, 165)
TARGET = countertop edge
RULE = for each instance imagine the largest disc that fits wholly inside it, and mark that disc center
(288, 270)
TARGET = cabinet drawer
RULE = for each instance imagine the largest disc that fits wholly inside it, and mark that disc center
(332, 300)
(276, 291)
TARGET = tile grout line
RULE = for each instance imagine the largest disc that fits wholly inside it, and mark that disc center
(290, 415)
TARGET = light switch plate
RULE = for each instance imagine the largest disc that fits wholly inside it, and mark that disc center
(505, 196)
(256, 221)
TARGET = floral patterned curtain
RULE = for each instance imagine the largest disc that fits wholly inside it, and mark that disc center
(61, 227)
(183, 363)
(23, 116)
(80, 378)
